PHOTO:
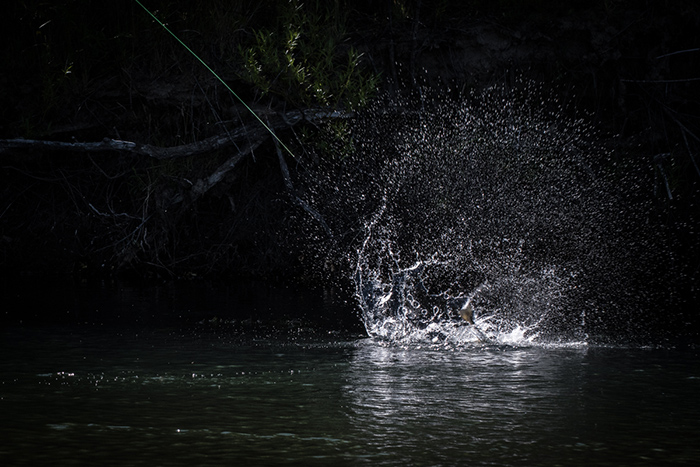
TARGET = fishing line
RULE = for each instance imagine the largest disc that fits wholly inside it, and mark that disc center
(217, 77)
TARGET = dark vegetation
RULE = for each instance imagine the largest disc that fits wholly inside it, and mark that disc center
(220, 197)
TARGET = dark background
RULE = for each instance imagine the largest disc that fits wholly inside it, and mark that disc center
(83, 71)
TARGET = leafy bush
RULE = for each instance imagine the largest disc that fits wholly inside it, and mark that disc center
(305, 59)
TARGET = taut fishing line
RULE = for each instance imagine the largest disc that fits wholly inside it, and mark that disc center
(216, 75)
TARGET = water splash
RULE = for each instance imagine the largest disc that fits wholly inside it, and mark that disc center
(512, 307)
(492, 201)
(500, 199)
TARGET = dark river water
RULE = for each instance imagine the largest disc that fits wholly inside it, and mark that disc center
(90, 394)
(75, 395)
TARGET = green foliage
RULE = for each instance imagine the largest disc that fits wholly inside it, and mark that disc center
(305, 59)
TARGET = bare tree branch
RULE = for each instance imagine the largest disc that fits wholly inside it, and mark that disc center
(290, 188)
(251, 133)
(204, 185)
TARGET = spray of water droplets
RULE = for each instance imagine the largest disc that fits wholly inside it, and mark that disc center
(500, 201)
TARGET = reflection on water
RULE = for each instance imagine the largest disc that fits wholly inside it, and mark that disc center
(508, 401)
(529, 406)
(79, 396)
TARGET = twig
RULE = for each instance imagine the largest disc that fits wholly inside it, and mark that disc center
(104, 214)
(663, 174)
(678, 52)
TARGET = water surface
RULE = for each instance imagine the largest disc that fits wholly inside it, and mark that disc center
(87, 395)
